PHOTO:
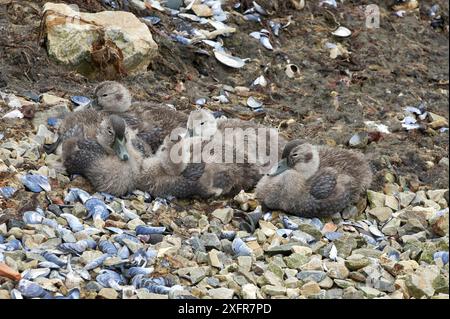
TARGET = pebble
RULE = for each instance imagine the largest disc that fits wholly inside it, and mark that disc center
(221, 293)
(309, 289)
(223, 214)
(108, 293)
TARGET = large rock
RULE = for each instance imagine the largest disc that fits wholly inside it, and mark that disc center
(123, 44)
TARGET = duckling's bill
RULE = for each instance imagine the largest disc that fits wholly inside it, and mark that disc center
(279, 168)
(120, 149)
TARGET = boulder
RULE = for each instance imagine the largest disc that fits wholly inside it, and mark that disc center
(107, 43)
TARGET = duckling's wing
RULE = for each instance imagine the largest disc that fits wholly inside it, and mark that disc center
(194, 171)
(323, 185)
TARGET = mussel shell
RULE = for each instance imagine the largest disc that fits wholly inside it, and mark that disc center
(36, 183)
(148, 230)
(240, 248)
(107, 247)
(96, 208)
(30, 289)
(7, 191)
(31, 217)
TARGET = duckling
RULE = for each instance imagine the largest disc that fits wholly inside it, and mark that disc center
(111, 162)
(313, 180)
(202, 123)
(164, 176)
(153, 122)
(182, 168)
(89, 124)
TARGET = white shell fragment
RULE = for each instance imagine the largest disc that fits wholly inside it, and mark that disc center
(266, 43)
(292, 71)
(261, 80)
(342, 32)
(254, 103)
(16, 114)
(229, 60)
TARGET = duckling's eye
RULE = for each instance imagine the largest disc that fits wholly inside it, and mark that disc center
(105, 95)
(202, 123)
(295, 155)
(110, 132)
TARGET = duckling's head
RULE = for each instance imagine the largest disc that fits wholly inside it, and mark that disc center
(173, 154)
(111, 96)
(300, 156)
(202, 123)
(111, 135)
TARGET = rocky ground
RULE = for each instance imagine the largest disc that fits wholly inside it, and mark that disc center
(395, 245)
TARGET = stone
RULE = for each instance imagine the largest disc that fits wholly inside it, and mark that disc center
(108, 293)
(327, 283)
(370, 292)
(302, 250)
(267, 228)
(311, 230)
(311, 275)
(376, 199)
(345, 246)
(202, 10)
(214, 259)
(309, 289)
(225, 215)
(352, 293)
(382, 214)
(344, 283)
(406, 198)
(420, 283)
(4, 294)
(198, 273)
(337, 270)
(249, 291)
(245, 262)
(145, 294)
(296, 260)
(440, 225)
(391, 227)
(211, 241)
(356, 262)
(132, 224)
(274, 290)
(72, 45)
(221, 293)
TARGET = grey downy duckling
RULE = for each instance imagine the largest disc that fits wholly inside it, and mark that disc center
(153, 122)
(314, 180)
(110, 162)
(163, 175)
(260, 145)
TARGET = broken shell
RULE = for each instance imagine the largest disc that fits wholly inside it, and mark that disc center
(74, 222)
(110, 279)
(266, 43)
(229, 60)
(7, 191)
(240, 248)
(148, 230)
(36, 183)
(342, 32)
(31, 217)
(54, 259)
(261, 80)
(96, 209)
(333, 253)
(442, 255)
(254, 103)
(289, 224)
(30, 289)
(292, 71)
(259, 8)
(81, 101)
(107, 247)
